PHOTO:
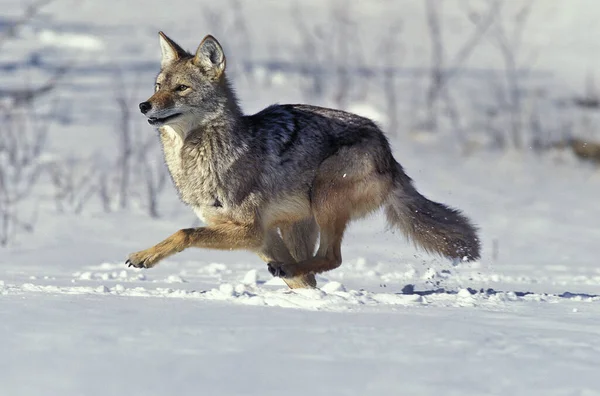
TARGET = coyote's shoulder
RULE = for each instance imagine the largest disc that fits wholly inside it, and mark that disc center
(276, 181)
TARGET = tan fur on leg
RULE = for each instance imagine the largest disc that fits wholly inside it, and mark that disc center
(226, 236)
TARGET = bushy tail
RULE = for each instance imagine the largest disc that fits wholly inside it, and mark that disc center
(431, 225)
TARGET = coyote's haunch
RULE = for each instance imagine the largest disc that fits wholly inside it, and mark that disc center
(274, 181)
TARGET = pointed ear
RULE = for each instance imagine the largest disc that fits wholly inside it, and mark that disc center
(170, 50)
(210, 56)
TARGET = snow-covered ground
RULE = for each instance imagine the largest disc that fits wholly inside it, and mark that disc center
(391, 320)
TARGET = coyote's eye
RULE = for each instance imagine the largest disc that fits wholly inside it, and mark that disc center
(181, 88)
(156, 87)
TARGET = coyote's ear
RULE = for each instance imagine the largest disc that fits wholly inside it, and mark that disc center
(210, 56)
(170, 50)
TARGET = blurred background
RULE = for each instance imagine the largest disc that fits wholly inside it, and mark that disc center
(491, 106)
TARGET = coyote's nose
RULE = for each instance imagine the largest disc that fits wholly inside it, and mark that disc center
(145, 107)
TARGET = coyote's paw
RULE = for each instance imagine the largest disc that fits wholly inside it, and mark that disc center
(142, 259)
(282, 270)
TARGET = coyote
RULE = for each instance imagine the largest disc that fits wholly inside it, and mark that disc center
(276, 181)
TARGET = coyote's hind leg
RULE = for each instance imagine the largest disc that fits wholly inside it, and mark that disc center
(275, 251)
(347, 186)
(301, 238)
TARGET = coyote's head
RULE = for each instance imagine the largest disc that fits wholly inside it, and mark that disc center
(190, 89)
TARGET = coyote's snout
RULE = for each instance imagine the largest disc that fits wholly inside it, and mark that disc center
(145, 107)
(276, 181)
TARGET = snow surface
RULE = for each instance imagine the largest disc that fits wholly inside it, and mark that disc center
(390, 321)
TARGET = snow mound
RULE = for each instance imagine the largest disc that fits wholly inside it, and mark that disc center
(333, 296)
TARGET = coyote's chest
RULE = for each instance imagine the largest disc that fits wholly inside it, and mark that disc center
(192, 176)
(196, 181)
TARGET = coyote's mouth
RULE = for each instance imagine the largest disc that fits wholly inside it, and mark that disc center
(162, 121)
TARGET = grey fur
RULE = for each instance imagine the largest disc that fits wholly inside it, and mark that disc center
(433, 226)
(242, 169)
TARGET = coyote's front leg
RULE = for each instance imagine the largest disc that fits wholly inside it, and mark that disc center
(223, 236)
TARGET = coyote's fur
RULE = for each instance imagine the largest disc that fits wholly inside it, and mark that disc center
(277, 181)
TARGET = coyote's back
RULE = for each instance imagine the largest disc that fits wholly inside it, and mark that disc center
(276, 181)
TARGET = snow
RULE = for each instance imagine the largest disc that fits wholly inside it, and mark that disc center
(525, 319)
(68, 344)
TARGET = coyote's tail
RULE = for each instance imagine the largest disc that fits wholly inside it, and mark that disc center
(431, 225)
